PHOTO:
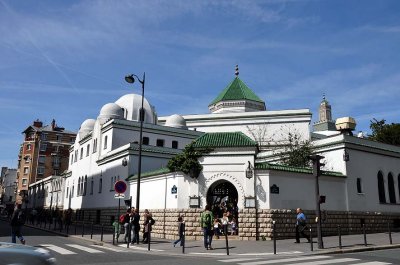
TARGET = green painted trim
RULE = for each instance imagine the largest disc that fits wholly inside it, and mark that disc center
(160, 171)
(224, 139)
(268, 166)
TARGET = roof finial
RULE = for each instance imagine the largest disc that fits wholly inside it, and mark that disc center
(323, 96)
(237, 70)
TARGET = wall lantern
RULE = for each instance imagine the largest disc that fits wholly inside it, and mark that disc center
(124, 162)
(249, 202)
(346, 156)
(194, 201)
(249, 171)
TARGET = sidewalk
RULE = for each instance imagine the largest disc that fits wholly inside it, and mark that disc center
(350, 243)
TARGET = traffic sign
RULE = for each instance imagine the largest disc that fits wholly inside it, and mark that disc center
(119, 196)
(120, 186)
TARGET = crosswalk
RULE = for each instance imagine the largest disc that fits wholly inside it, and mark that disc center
(303, 260)
(73, 249)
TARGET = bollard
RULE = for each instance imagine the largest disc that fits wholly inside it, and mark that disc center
(114, 234)
(274, 235)
(390, 235)
(91, 230)
(75, 227)
(183, 238)
(311, 240)
(365, 235)
(102, 233)
(83, 229)
(340, 236)
(226, 239)
(129, 234)
(67, 229)
(61, 227)
(148, 235)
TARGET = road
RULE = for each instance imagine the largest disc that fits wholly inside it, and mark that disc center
(76, 251)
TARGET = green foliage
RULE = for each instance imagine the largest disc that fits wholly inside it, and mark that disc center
(296, 153)
(385, 133)
(187, 161)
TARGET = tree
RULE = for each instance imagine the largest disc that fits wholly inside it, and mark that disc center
(296, 153)
(187, 161)
(385, 133)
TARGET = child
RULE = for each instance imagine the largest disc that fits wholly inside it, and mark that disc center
(180, 231)
(233, 226)
(216, 227)
(117, 229)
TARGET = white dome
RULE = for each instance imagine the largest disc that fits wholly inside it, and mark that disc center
(86, 127)
(111, 111)
(131, 104)
(176, 121)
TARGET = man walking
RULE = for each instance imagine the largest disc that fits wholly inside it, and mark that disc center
(206, 219)
(17, 221)
(301, 225)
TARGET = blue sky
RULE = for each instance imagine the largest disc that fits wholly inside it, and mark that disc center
(66, 59)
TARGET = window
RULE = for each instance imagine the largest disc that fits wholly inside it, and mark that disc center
(73, 188)
(81, 153)
(43, 147)
(72, 159)
(87, 149)
(28, 147)
(79, 187)
(146, 140)
(94, 145)
(56, 161)
(43, 137)
(56, 172)
(26, 170)
(100, 185)
(27, 159)
(42, 159)
(359, 186)
(66, 194)
(160, 142)
(76, 155)
(24, 182)
(58, 137)
(381, 188)
(392, 193)
(85, 186)
(175, 144)
(72, 139)
(105, 141)
(398, 184)
(91, 185)
(112, 183)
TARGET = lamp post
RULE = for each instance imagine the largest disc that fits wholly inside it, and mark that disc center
(131, 79)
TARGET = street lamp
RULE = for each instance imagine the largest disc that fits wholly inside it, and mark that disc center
(131, 79)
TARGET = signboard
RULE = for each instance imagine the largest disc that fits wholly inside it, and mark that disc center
(119, 196)
(274, 189)
(174, 190)
(120, 186)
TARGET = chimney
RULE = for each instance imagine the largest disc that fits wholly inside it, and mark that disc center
(37, 123)
(53, 124)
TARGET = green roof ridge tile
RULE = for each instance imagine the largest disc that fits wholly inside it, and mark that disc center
(296, 169)
(224, 139)
(159, 171)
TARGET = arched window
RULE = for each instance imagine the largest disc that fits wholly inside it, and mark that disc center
(85, 186)
(381, 188)
(392, 193)
(78, 192)
(91, 185)
(398, 183)
(105, 142)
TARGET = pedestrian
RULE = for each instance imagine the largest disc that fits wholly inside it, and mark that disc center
(136, 226)
(125, 223)
(233, 226)
(206, 218)
(217, 226)
(225, 222)
(301, 225)
(147, 226)
(17, 221)
(180, 231)
(117, 229)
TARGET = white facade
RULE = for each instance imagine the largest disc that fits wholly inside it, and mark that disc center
(47, 193)
(8, 185)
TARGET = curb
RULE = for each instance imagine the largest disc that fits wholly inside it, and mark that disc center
(357, 249)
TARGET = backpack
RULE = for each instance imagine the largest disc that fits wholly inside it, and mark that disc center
(152, 221)
(207, 220)
(21, 218)
(122, 218)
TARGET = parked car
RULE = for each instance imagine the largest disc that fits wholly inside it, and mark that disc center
(24, 255)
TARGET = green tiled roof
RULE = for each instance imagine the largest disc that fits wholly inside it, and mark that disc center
(236, 90)
(268, 166)
(224, 139)
(163, 170)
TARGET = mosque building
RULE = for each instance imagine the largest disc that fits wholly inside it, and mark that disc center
(241, 170)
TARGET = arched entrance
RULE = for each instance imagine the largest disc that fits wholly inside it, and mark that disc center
(222, 196)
